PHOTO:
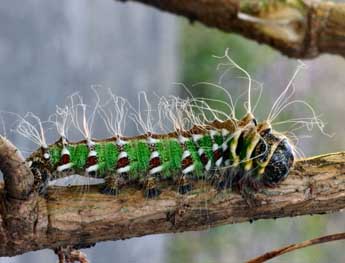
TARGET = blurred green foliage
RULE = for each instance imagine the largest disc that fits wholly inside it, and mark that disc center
(235, 243)
(199, 43)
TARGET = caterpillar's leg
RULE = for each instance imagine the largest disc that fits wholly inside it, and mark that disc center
(223, 179)
(249, 182)
(184, 185)
(248, 185)
(113, 183)
(150, 187)
(41, 180)
(215, 179)
(220, 180)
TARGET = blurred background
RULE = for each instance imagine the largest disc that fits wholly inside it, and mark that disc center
(50, 49)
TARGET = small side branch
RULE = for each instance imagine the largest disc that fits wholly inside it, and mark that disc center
(300, 29)
(287, 249)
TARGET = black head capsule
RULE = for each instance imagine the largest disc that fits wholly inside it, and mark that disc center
(280, 164)
(276, 155)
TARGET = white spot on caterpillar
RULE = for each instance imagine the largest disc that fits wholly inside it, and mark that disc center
(186, 154)
(65, 151)
(219, 161)
(225, 146)
(123, 169)
(46, 156)
(182, 139)
(215, 147)
(156, 170)
(64, 167)
(225, 132)
(92, 168)
(120, 142)
(188, 169)
(197, 137)
(154, 154)
(92, 153)
(122, 154)
(151, 140)
(208, 165)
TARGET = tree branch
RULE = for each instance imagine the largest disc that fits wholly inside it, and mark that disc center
(66, 216)
(300, 29)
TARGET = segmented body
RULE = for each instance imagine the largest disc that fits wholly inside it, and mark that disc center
(226, 153)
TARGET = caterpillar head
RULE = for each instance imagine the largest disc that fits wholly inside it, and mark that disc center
(275, 155)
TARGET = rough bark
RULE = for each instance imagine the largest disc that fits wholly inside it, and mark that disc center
(66, 216)
(300, 29)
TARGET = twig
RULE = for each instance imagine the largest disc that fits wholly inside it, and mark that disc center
(307, 243)
(300, 29)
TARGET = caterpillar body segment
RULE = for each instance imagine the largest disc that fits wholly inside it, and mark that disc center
(233, 153)
(154, 169)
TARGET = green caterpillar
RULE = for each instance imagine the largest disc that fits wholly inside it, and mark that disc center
(227, 154)
(222, 150)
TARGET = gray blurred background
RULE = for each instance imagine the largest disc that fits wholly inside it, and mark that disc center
(50, 49)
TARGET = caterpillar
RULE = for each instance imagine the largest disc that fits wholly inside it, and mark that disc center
(205, 144)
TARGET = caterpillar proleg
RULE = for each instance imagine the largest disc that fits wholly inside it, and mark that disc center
(205, 144)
